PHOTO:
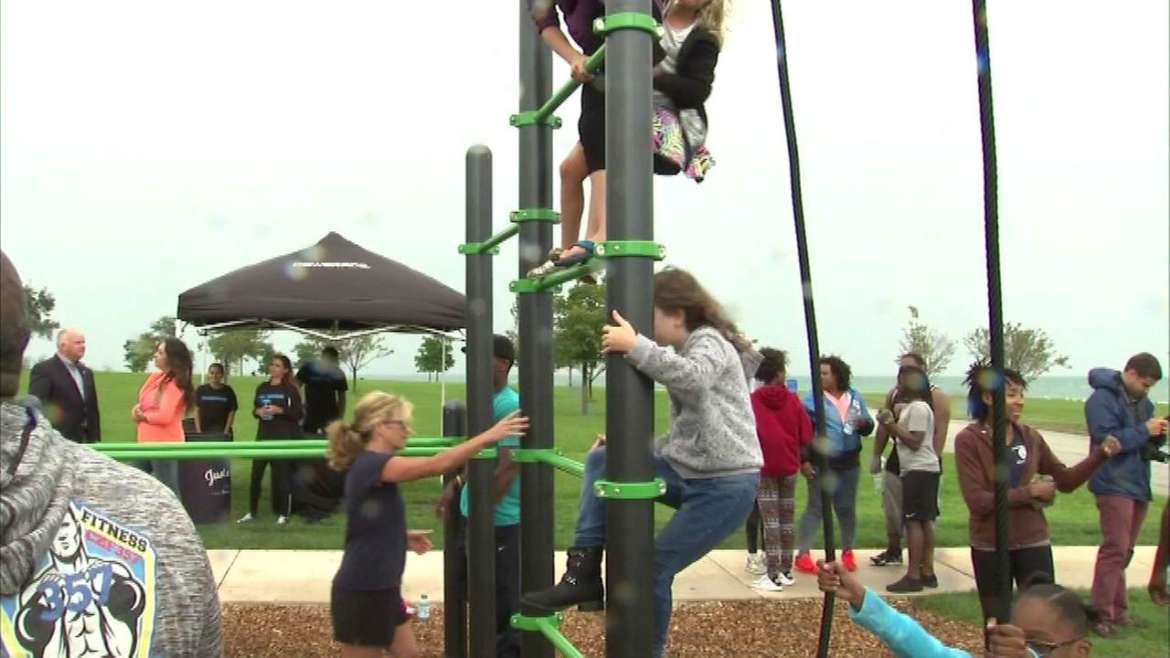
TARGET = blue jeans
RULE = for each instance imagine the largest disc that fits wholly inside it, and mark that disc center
(164, 470)
(843, 490)
(709, 511)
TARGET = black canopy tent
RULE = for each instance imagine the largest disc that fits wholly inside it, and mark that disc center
(332, 285)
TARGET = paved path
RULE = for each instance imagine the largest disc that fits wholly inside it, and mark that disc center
(305, 576)
(1072, 448)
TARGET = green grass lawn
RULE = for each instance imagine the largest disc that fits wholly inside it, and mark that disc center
(1132, 643)
(1073, 519)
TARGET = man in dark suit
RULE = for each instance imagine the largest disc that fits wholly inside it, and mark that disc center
(66, 390)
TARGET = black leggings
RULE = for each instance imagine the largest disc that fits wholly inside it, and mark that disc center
(1026, 563)
(754, 529)
(281, 499)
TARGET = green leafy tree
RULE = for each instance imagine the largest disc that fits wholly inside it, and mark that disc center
(310, 348)
(434, 356)
(139, 352)
(234, 346)
(578, 316)
(933, 346)
(1030, 352)
(38, 310)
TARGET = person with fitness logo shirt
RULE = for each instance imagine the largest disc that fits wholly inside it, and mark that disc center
(96, 557)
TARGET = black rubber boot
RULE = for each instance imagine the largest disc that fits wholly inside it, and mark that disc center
(581, 585)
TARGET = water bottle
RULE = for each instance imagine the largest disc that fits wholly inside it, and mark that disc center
(879, 480)
(424, 607)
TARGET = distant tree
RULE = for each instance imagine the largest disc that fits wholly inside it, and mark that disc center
(38, 309)
(139, 352)
(578, 316)
(358, 353)
(1028, 351)
(434, 356)
(310, 348)
(234, 346)
(933, 346)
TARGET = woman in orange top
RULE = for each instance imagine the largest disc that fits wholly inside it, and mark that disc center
(163, 400)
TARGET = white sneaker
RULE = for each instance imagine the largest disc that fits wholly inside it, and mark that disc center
(755, 564)
(281, 520)
(247, 518)
(785, 579)
(765, 584)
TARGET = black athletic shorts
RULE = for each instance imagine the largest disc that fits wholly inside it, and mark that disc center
(591, 127)
(366, 618)
(919, 496)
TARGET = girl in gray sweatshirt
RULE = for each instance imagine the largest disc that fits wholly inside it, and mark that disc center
(710, 459)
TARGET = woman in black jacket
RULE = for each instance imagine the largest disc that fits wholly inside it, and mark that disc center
(277, 406)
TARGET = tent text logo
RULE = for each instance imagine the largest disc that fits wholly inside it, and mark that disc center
(332, 265)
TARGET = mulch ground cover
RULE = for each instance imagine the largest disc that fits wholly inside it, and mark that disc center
(743, 629)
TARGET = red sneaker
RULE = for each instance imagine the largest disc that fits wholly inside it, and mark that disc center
(804, 564)
(847, 561)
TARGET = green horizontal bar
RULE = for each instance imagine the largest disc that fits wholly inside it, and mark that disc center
(540, 284)
(550, 628)
(535, 215)
(265, 444)
(551, 456)
(183, 453)
(593, 65)
(488, 246)
(166, 451)
(629, 490)
(631, 248)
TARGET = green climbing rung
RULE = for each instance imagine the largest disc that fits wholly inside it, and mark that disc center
(535, 215)
(628, 248)
(550, 628)
(543, 283)
(532, 118)
(629, 490)
(551, 456)
(489, 246)
(626, 20)
(544, 114)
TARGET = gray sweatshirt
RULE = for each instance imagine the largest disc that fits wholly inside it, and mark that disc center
(96, 558)
(712, 431)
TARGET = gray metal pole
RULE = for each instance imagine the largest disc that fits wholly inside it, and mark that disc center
(535, 318)
(629, 395)
(454, 589)
(481, 530)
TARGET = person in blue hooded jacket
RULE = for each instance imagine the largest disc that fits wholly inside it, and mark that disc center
(1120, 406)
(847, 419)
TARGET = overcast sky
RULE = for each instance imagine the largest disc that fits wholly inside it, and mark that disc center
(148, 147)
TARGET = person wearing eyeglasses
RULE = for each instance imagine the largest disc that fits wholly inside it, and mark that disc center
(1048, 621)
(366, 604)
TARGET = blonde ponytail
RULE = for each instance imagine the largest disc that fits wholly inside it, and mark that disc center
(345, 444)
(348, 440)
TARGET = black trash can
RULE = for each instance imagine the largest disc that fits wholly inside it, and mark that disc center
(206, 484)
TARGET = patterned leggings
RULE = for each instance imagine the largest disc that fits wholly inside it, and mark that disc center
(777, 500)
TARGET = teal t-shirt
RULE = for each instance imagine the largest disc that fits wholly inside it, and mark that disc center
(508, 509)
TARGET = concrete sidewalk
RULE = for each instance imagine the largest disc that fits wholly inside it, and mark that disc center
(305, 576)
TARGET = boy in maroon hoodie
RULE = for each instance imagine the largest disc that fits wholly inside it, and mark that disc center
(784, 429)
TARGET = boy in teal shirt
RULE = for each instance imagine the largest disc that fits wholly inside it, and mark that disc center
(507, 490)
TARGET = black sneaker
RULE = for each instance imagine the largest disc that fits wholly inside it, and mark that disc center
(930, 581)
(887, 558)
(905, 586)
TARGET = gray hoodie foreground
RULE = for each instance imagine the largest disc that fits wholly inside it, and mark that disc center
(96, 558)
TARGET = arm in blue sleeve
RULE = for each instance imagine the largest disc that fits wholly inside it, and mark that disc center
(1104, 419)
(901, 633)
